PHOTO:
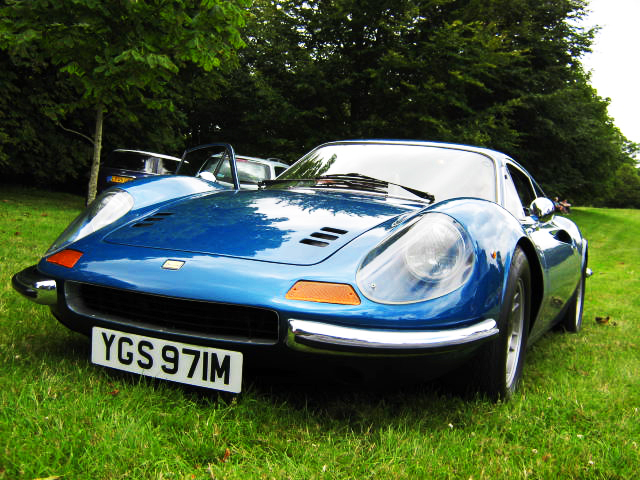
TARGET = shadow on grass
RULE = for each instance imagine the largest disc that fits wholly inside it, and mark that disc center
(56, 344)
(285, 396)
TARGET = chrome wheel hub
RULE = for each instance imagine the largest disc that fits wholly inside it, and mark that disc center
(579, 304)
(515, 332)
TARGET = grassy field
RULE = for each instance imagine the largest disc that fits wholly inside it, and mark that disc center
(576, 416)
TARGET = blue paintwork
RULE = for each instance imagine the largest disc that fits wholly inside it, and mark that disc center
(152, 191)
(118, 262)
(261, 225)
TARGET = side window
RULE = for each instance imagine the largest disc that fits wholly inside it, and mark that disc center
(217, 167)
(512, 200)
(223, 171)
(519, 192)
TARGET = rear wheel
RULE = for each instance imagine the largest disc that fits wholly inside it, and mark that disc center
(572, 321)
(500, 362)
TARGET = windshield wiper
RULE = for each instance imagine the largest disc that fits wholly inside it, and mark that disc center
(364, 182)
(265, 183)
(351, 180)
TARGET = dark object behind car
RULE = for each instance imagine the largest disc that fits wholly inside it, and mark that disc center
(123, 166)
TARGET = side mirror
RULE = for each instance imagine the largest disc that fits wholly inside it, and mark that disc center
(543, 208)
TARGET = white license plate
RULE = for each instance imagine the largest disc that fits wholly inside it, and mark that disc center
(175, 361)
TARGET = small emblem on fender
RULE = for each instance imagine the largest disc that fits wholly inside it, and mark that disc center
(173, 264)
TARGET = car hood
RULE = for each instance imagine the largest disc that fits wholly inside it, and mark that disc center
(300, 227)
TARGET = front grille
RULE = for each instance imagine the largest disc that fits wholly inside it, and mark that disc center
(194, 317)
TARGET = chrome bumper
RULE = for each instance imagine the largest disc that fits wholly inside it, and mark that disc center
(36, 287)
(325, 338)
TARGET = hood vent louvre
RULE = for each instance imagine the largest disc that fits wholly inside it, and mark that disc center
(149, 221)
(323, 237)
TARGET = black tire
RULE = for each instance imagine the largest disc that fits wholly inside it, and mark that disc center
(500, 362)
(572, 320)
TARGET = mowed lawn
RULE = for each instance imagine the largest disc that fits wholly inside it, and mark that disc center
(576, 416)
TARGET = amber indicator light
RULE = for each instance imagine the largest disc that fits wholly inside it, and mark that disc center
(323, 292)
(66, 258)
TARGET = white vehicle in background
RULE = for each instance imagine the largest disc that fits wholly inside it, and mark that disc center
(251, 170)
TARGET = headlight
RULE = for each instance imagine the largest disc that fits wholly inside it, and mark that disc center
(104, 210)
(425, 260)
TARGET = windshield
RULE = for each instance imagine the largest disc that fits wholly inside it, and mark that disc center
(444, 172)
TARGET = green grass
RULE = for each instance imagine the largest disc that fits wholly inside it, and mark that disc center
(576, 416)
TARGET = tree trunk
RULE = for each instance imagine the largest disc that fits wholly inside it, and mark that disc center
(97, 148)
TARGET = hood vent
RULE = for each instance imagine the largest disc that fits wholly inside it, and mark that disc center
(323, 237)
(149, 221)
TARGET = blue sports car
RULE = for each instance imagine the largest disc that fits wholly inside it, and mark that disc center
(400, 257)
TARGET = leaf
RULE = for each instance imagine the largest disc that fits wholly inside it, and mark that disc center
(227, 454)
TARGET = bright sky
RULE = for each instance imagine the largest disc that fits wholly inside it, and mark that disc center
(615, 61)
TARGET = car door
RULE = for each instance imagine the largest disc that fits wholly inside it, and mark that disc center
(556, 248)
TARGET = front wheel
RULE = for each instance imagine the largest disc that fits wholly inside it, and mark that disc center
(501, 360)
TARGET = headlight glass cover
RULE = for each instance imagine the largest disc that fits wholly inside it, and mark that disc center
(427, 259)
(104, 210)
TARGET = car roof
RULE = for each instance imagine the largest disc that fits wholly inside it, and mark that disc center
(494, 154)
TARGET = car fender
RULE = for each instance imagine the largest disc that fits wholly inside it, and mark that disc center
(574, 231)
(496, 234)
(159, 189)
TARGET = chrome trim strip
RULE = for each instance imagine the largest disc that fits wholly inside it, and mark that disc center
(323, 337)
(30, 283)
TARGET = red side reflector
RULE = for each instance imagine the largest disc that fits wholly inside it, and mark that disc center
(323, 292)
(66, 258)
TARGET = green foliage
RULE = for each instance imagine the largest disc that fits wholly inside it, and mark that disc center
(118, 56)
(625, 188)
(500, 73)
(569, 143)
(367, 69)
(32, 146)
(118, 51)
(504, 74)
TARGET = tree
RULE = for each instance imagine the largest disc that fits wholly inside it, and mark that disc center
(315, 71)
(504, 74)
(625, 188)
(31, 145)
(117, 54)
